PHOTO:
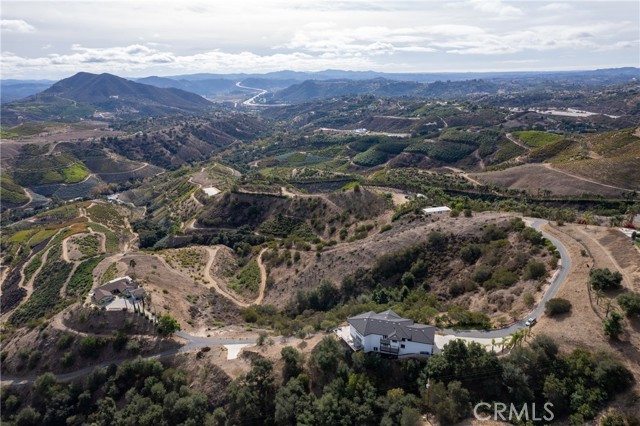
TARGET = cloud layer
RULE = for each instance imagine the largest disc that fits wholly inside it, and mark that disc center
(53, 39)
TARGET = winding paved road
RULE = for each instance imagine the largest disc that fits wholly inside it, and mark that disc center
(196, 342)
(556, 282)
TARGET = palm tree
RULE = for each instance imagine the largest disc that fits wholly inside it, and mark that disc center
(132, 264)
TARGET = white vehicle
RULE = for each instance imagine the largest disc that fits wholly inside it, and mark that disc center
(530, 322)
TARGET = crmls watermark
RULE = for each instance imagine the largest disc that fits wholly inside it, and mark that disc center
(484, 411)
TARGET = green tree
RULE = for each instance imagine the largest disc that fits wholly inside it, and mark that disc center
(557, 306)
(630, 303)
(613, 325)
(293, 404)
(293, 362)
(251, 397)
(604, 279)
(28, 417)
(449, 404)
(167, 325)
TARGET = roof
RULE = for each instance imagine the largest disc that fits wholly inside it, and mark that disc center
(119, 284)
(390, 324)
(99, 294)
(440, 209)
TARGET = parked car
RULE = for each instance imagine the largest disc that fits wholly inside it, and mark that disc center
(530, 322)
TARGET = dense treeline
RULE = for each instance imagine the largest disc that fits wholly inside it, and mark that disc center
(332, 386)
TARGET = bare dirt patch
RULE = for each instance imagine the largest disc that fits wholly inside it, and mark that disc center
(195, 306)
(583, 327)
(532, 177)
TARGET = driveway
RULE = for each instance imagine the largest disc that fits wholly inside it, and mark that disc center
(556, 282)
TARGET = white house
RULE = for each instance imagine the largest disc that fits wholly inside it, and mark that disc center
(436, 210)
(388, 333)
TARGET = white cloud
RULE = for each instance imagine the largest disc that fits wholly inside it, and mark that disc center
(133, 58)
(556, 7)
(16, 26)
(496, 8)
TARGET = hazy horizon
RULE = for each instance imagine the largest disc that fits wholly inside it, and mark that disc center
(56, 39)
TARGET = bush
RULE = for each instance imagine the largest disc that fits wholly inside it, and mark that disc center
(91, 346)
(501, 278)
(65, 341)
(167, 325)
(557, 306)
(492, 233)
(534, 271)
(471, 253)
(604, 279)
(630, 303)
(481, 274)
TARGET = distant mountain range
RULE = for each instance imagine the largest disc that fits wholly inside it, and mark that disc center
(17, 89)
(86, 94)
(207, 84)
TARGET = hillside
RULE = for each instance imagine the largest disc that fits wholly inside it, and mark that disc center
(84, 94)
(315, 90)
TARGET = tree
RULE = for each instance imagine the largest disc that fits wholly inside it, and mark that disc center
(604, 279)
(28, 417)
(293, 362)
(132, 264)
(613, 325)
(557, 306)
(630, 303)
(450, 403)
(167, 325)
(292, 403)
(251, 397)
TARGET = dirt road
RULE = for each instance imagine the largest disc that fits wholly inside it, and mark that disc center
(263, 279)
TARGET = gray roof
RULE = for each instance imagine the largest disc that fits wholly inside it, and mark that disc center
(392, 325)
(99, 294)
(119, 285)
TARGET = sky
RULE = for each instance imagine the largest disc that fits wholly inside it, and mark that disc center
(56, 39)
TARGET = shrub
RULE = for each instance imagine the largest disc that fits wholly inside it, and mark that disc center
(534, 271)
(528, 299)
(501, 278)
(167, 325)
(492, 233)
(557, 306)
(471, 253)
(67, 359)
(630, 303)
(613, 325)
(531, 235)
(65, 341)
(91, 346)
(604, 279)
(481, 274)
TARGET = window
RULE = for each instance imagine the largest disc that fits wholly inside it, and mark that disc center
(402, 346)
(375, 348)
(384, 336)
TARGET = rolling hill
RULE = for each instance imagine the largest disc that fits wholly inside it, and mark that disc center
(84, 94)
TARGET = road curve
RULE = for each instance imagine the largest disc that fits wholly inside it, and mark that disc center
(556, 282)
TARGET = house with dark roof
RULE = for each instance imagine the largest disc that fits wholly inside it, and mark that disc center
(389, 333)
